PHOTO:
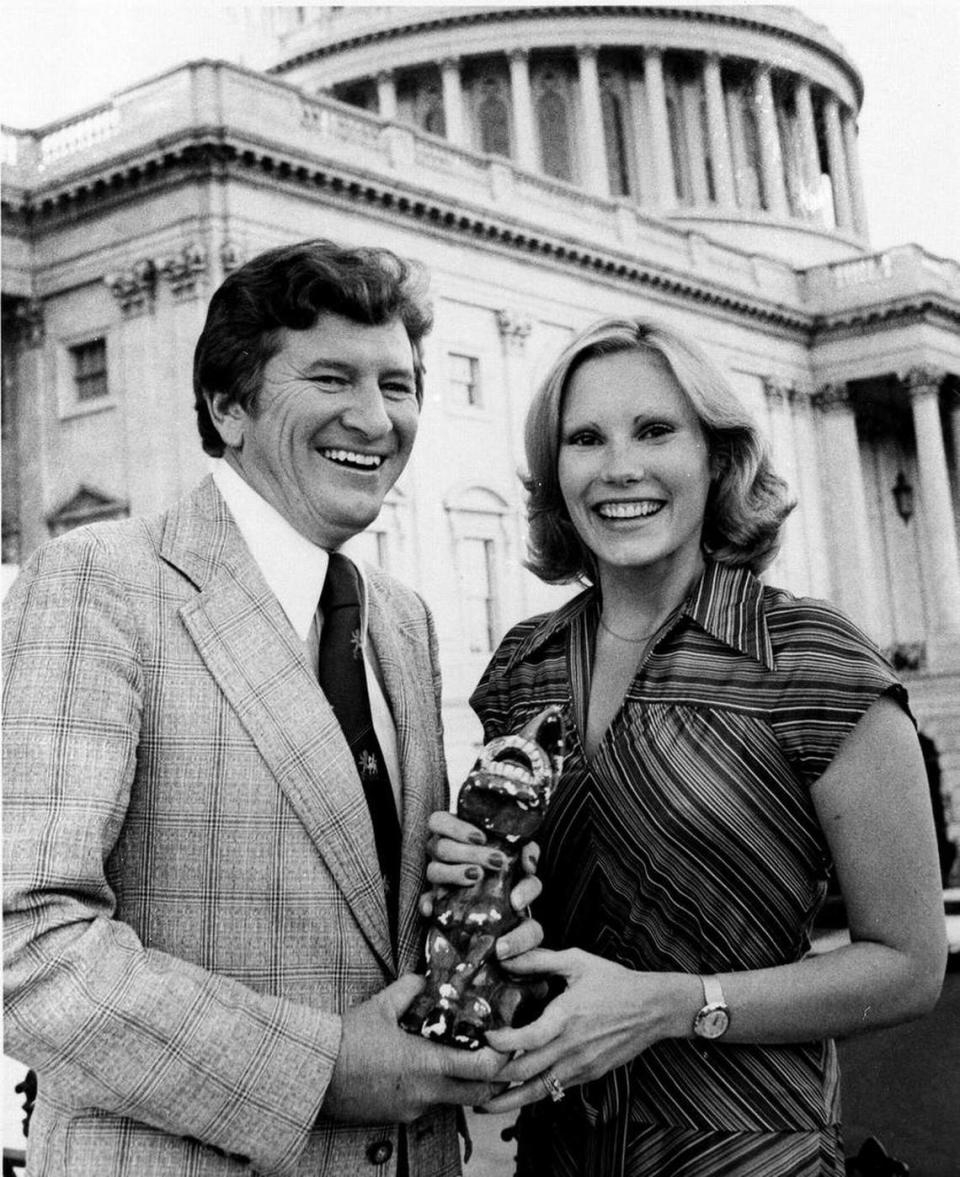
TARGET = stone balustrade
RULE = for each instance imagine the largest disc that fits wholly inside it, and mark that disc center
(320, 131)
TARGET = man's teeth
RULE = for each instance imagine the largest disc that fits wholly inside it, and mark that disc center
(350, 458)
(628, 510)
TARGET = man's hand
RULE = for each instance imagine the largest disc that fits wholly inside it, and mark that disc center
(384, 1075)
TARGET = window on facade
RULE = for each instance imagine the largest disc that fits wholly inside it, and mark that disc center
(463, 381)
(554, 135)
(373, 547)
(433, 120)
(616, 143)
(788, 132)
(824, 180)
(90, 369)
(678, 151)
(494, 126)
(477, 586)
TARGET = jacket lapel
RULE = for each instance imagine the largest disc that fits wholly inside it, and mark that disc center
(243, 637)
(401, 653)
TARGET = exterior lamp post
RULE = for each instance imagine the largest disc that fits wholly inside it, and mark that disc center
(903, 496)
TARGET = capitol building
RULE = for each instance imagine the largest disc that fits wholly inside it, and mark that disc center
(549, 165)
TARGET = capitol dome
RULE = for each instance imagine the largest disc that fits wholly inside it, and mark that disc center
(739, 122)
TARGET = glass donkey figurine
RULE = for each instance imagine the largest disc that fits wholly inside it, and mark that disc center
(506, 795)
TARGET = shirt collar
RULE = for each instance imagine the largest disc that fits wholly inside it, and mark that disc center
(726, 602)
(293, 567)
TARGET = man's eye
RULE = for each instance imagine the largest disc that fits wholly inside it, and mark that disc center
(397, 390)
(331, 380)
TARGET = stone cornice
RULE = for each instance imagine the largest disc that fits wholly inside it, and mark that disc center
(207, 152)
(747, 18)
(925, 307)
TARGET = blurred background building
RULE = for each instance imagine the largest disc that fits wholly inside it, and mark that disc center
(549, 165)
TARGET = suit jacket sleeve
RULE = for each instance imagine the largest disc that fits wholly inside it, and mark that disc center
(113, 1024)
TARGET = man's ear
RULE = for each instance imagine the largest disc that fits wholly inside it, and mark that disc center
(228, 417)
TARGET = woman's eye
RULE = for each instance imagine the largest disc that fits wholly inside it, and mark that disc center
(581, 437)
(656, 429)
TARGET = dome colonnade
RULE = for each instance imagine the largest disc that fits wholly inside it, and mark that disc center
(718, 115)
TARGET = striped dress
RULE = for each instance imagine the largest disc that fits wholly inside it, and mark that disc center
(690, 843)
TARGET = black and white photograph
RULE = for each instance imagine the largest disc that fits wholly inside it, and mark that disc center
(481, 589)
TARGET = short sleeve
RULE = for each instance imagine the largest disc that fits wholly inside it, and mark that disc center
(830, 675)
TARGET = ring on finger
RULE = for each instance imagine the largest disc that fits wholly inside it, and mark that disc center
(552, 1085)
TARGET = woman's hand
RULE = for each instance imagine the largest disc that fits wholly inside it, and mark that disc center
(459, 856)
(606, 1016)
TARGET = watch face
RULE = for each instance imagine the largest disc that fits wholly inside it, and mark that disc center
(712, 1021)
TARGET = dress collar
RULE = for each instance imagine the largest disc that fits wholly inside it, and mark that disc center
(725, 602)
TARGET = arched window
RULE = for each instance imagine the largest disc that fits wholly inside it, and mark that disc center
(433, 120)
(477, 520)
(678, 151)
(616, 142)
(494, 125)
(552, 123)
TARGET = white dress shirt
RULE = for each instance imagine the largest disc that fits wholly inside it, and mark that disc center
(295, 569)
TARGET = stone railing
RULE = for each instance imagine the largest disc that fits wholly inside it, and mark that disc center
(897, 273)
(77, 134)
(300, 130)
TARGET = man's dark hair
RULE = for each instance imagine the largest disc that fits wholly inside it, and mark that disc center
(291, 286)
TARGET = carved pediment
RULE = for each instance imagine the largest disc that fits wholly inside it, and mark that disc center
(85, 506)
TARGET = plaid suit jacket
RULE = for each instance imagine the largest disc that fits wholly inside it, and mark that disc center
(191, 885)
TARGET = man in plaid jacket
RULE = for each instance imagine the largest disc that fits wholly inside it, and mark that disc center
(198, 959)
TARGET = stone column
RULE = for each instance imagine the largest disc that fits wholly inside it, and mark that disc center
(855, 179)
(811, 204)
(854, 568)
(453, 114)
(811, 506)
(837, 162)
(657, 98)
(643, 144)
(33, 409)
(696, 144)
(386, 94)
(771, 158)
(720, 155)
(186, 276)
(779, 397)
(939, 526)
(144, 355)
(515, 327)
(594, 154)
(522, 99)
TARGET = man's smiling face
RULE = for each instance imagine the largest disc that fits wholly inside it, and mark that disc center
(333, 425)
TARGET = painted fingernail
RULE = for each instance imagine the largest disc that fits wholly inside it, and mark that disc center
(496, 860)
(473, 872)
(476, 838)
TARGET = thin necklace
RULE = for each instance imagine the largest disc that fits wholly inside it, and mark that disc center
(622, 638)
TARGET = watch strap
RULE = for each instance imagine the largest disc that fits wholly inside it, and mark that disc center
(712, 991)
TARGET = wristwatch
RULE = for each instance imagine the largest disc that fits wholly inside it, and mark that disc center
(712, 1021)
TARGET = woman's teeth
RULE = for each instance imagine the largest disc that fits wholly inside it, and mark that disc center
(628, 510)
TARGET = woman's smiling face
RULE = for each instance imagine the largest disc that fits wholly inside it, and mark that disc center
(634, 464)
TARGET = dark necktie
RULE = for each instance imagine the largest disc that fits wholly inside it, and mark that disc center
(343, 680)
